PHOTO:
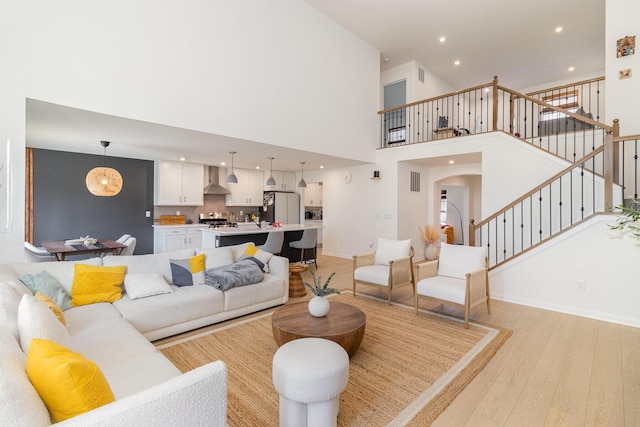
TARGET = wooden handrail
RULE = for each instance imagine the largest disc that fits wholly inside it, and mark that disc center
(541, 186)
(558, 109)
(551, 89)
(435, 98)
(626, 137)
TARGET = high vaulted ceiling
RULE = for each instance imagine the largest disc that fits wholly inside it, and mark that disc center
(513, 39)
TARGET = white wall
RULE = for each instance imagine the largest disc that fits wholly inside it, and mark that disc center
(548, 277)
(622, 20)
(416, 90)
(229, 68)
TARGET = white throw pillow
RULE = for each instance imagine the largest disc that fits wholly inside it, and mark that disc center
(35, 320)
(456, 260)
(20, 404)
(142, 285)
(216, 257)
(389, 250)
(9, 301)
(238, 250)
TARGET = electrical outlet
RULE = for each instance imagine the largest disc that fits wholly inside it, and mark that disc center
(582, 285)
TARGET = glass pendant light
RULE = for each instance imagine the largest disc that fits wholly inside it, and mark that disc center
(302, 183)
(232, 178)
(103, 181)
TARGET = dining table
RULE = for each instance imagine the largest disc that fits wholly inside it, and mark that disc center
(62, 248)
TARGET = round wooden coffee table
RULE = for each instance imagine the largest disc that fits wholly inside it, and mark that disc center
(344, 324)
(296, 285)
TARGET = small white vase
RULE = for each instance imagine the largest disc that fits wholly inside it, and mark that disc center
(318, 306)
(431, 252)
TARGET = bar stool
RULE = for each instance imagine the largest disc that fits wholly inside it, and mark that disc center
(274, 242)
(309, 240)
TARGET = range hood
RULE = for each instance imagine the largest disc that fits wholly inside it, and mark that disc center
(214, 186)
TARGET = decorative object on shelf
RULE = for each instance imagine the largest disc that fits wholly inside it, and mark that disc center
(376, 175)
(302, 183)
(629, 218)
(104, 181)
(271, 181)
(318, 305)
(626, 46)
(432, 235)
(232, 178)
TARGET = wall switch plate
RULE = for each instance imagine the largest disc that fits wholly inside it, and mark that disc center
(147, 214)
(582, 285)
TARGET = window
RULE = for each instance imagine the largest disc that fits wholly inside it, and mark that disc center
(567, 100)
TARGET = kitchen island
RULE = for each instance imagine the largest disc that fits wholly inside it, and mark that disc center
(250, 232)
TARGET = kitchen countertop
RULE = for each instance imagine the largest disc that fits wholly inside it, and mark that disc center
(248, 228)
(180, 225)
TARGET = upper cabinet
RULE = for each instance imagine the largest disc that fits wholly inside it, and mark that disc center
(249, 189)
(285, 181)
(179, 184)
(313, 194)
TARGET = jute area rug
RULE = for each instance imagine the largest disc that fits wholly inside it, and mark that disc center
(408, 368)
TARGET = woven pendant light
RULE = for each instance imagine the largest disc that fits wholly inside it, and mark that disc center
(103, 181)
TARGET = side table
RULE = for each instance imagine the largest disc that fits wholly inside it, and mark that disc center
(296, 285)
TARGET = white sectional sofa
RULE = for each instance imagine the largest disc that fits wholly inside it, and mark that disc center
(148, 389)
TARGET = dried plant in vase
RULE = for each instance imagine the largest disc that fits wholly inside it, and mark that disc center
(431, 234)
(318, 305)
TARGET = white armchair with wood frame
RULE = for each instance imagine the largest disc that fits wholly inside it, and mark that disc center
(390, 266)
(458, 277)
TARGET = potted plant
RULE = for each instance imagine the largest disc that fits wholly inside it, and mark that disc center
(629, 218)
(431, 234)
(318, 305)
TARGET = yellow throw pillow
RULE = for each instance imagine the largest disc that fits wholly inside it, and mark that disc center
(92, 284)
(52, 306)
(67, 383)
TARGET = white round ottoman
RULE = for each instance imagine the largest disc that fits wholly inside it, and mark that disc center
(309, 374)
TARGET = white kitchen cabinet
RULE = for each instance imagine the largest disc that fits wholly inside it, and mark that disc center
(285, 181)
(249, 189)
(169, 239)
(179, 184)
(313, 194)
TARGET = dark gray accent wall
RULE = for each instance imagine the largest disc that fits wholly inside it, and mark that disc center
(64, 208)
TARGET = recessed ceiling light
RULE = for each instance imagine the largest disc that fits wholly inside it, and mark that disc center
(182, 159)
(321, 167)
(386, 59)
(559, 29)
(222, 163)
(451, 162)
(442, 39)
(572, 68)
(257, 167)
(457, 62)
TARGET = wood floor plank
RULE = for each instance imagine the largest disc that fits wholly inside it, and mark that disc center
(631, 375)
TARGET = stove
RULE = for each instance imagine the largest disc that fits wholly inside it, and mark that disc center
(225, 224)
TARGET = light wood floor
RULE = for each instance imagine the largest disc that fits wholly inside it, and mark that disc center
(555, 370)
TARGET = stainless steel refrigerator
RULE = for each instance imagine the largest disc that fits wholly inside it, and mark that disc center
(281, 207)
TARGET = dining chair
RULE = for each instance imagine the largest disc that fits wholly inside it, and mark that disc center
(130, 246)
(34, 253)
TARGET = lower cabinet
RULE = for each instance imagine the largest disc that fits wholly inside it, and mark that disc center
(169, 239)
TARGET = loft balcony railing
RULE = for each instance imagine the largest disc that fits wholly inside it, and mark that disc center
(603, 170)
(559, 120)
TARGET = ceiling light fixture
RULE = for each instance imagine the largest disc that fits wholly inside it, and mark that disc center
(104, 181)
(559, 29)
(271, 181)
(232, 178)
(457, 62)
(572, 68)
(442, 39)
(302, 183)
